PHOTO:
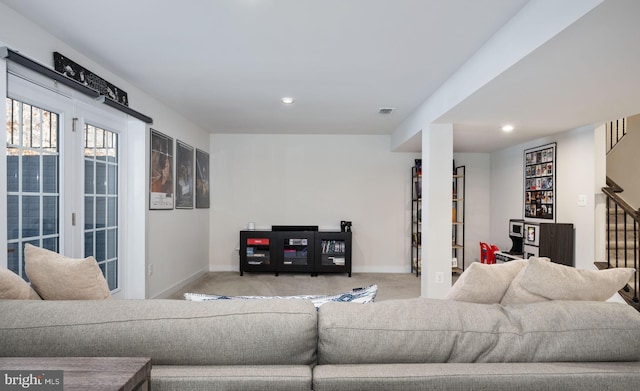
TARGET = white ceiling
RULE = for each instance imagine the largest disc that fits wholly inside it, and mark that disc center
(226, 64)
(589, 73)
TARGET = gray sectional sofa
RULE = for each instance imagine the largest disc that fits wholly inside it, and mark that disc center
(413, 344)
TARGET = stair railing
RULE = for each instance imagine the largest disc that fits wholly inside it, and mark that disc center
(620, 209)
(616, 130)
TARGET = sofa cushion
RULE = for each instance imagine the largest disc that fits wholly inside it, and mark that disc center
(485, 283)
(429, 330)
(231, 377)
(581, 376)
(171, 332)
(541, 281)
(12, 287)
(56, 277)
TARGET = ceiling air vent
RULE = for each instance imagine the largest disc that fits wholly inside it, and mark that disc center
(385, 110)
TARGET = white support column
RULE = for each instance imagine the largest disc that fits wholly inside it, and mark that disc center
(437, 163)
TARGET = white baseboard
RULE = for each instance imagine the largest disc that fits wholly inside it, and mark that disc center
(225, 268)
(381, 269)
(166, 293)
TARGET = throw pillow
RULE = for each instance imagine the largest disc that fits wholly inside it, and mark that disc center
(356, 295)
(485, 283)
(542, 281)
(56, 277)
(13, 287)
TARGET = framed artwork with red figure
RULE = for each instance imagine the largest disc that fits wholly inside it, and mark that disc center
(161, 183)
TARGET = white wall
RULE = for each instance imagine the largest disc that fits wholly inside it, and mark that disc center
(578, 160)
(477, 202)
(624, 155)
(312, 180)
(177, 240)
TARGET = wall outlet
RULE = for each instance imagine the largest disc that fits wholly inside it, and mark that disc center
(582, 200)
(150, 269)
(439, 278)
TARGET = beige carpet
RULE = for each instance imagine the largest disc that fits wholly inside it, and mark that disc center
(390, 285)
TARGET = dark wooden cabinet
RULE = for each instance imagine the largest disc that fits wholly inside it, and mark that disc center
(295, 252)
(552, 240)
(556, 242)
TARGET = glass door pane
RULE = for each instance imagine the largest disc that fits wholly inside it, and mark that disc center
(33, 198)
(101, 200)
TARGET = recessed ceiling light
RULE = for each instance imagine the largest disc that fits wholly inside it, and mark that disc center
(287, 100)
(507, 128)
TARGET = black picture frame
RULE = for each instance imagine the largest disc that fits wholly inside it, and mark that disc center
(161, 191)
(184, 175)
(202, 179)
(540, 184)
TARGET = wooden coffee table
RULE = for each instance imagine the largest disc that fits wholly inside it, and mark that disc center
(89, 373)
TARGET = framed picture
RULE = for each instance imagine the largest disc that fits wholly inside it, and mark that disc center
(161, 176)
(184, 176)
(202, 179)
(540, 183)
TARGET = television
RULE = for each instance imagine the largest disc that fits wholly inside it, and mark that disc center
(516, 228)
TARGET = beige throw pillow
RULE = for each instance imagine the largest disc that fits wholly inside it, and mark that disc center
(56, 277)
(485, 283)
(13, 287)
(542, 281)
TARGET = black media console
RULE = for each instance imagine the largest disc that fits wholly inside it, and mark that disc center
(282, 250)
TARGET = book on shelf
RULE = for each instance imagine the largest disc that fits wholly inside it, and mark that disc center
(333, 246)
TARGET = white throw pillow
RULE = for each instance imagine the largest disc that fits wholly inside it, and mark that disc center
(56, 277)
(13, 287)
(542, 281)
(485, 283)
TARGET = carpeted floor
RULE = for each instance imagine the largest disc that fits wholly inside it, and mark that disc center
(390, 285)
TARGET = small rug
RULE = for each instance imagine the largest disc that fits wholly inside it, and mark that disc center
(356, 295)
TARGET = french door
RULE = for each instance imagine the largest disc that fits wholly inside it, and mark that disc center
(63, 171)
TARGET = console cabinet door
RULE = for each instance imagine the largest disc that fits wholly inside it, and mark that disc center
(295, 251)
(333, 252)
(257, 251)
